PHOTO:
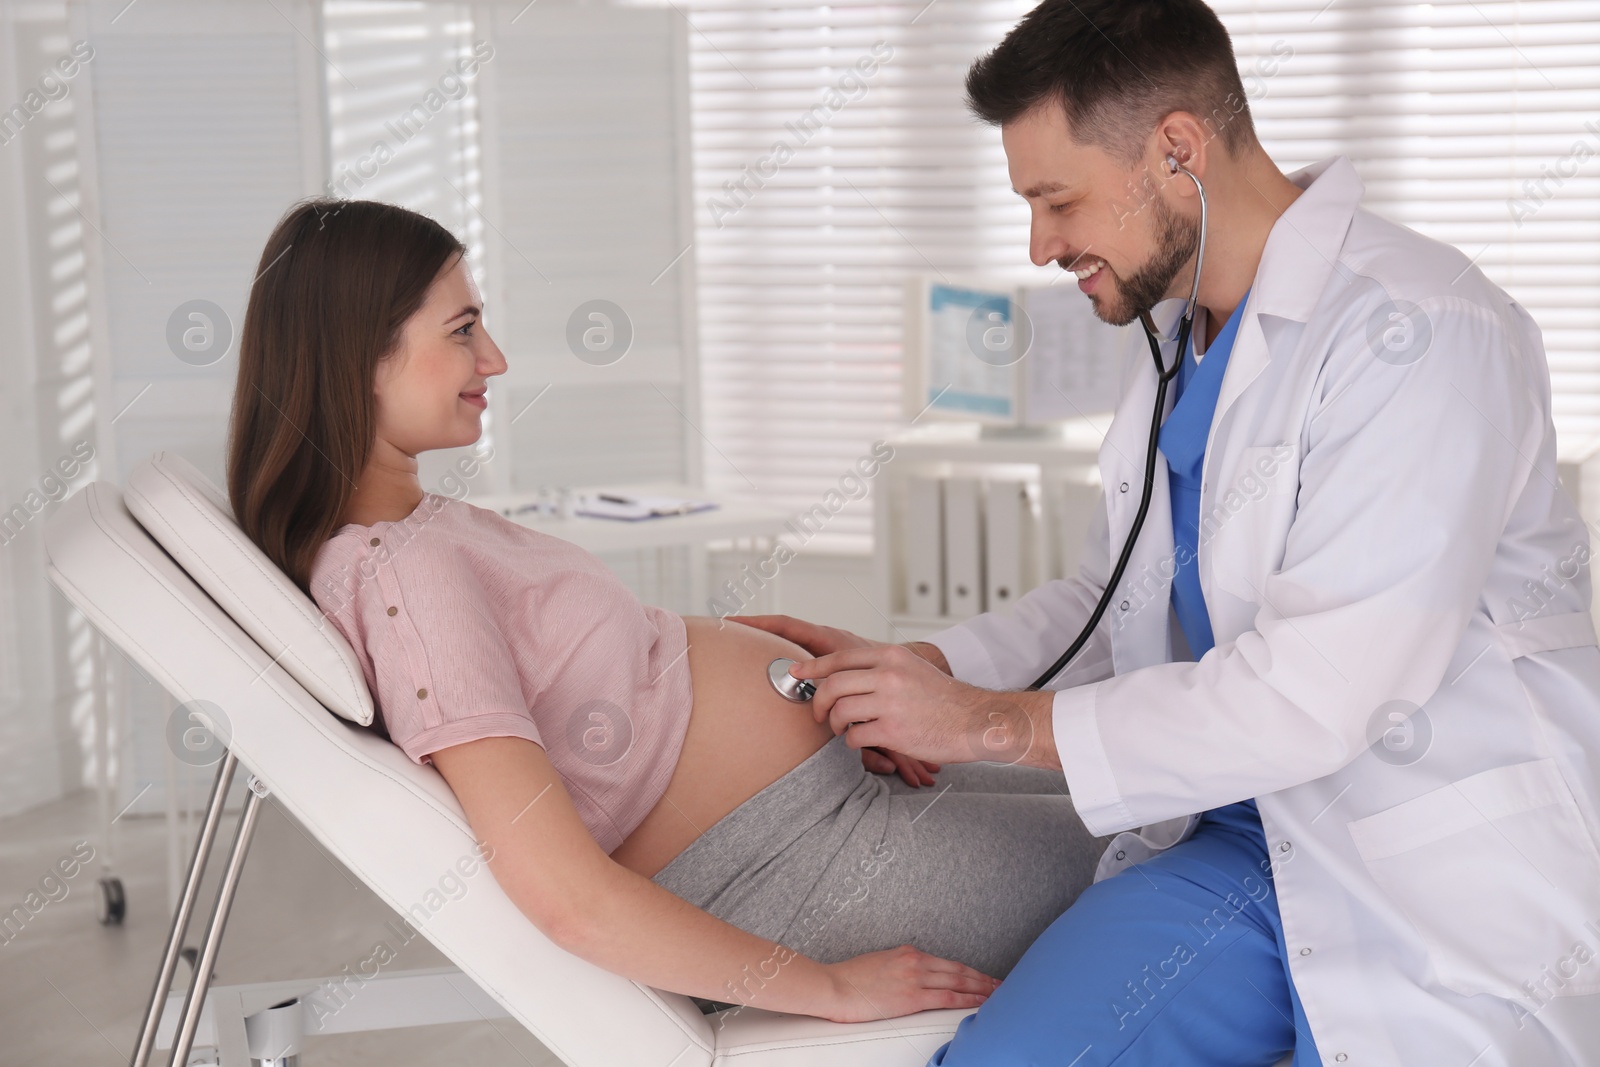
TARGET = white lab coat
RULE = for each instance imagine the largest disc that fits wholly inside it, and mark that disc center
(1381, 530)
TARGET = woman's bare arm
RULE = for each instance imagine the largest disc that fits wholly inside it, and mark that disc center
(548, 863)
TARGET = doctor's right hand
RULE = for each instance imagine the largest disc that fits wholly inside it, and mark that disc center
(901, 981)
(821, 640)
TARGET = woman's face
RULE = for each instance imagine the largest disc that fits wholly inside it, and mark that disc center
(433, 388)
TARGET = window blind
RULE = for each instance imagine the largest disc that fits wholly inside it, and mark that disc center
(1448, 110)
(804, 249)
(1475, 123)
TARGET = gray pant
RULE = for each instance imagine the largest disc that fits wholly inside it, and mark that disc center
(833, 861)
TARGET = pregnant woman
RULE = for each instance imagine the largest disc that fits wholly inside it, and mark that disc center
(651, 804)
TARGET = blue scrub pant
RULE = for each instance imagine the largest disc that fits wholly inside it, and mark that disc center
(1174, 962)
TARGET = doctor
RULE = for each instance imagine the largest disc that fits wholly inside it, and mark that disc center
(1343, 711)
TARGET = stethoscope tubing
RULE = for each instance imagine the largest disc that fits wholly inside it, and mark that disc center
(1164, 376)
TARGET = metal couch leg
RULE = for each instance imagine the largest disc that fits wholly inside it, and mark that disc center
(183, 1042)
(180, 918)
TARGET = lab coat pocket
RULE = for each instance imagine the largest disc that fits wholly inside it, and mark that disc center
(1246, 521)
(1498, 875)
(1264, 470)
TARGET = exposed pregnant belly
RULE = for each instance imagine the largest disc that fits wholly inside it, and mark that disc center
(742, 737)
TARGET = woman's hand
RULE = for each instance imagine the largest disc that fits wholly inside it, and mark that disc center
(544, 857)
(887, 761)
(900, 981)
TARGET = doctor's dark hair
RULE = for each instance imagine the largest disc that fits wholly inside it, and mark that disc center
(335, 285)
(1117, 67)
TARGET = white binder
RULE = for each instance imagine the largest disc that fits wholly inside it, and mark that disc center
(924, 547)
(1076, 503)
(963, 541)
(1009, 530)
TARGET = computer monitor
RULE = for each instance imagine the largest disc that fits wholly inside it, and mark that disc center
(1006, 356)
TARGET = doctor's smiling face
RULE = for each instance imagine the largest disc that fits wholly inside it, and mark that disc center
(1091, 97)
(432, 388)
(1108, 222)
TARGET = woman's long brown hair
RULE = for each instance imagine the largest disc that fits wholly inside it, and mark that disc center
(336, 282)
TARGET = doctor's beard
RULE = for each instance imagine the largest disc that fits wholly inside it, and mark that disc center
(1177, 240)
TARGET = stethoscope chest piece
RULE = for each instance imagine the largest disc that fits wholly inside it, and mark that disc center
(788, 686)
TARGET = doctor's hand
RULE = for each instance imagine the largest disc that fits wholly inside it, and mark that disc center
(888, 696)
(821, 640)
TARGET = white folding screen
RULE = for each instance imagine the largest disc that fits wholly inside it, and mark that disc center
(586, 178)
(819, 185)
(202, 123)
(403, 127)
(47, 403)
(403, 108)
(554, 141)
(207, 124)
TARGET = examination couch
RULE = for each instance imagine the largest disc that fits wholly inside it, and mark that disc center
(163, 572)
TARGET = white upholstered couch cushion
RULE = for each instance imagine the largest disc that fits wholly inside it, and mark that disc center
(192, 520)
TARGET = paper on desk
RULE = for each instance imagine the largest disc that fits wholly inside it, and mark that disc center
(639, 507)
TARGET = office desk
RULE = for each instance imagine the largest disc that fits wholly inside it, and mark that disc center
(735, 526)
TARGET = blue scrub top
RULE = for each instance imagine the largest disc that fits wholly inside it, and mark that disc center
(1183, 443)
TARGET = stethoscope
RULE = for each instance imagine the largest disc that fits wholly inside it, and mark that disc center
(1164, 375)
(801, 690)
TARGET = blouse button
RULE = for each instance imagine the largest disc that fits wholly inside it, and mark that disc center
(393, 610)
(422, 694)
(374, 542)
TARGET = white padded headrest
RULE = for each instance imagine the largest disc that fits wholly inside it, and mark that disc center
(191, 519)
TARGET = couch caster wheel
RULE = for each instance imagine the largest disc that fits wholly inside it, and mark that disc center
(113, 905)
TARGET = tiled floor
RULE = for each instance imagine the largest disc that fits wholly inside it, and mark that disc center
(72, 991)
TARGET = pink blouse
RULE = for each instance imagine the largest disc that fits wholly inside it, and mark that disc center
(468, 625)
